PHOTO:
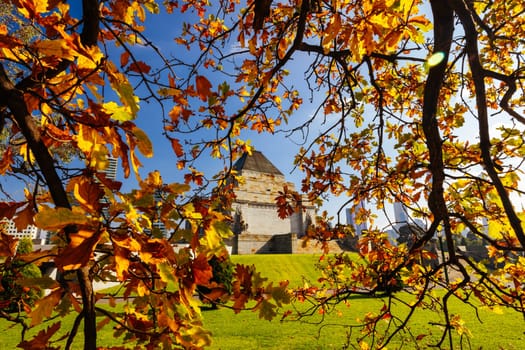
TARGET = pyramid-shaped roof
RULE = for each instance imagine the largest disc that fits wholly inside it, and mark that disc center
(256, 162)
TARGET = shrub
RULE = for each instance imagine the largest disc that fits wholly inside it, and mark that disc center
(222, 268)
(13, 295)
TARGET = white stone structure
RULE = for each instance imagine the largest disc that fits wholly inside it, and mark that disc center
(257, 224)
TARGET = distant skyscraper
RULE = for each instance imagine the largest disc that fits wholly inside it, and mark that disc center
(400, 213)
(351, 219)
(111, 174)
(157, 223)
(111, 170)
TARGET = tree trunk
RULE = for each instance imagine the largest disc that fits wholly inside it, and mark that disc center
(13, 99)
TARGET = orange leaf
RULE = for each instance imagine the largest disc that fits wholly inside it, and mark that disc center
(41, 340)
(7, 160)
(177, 148)
(203, 87)
(143, 142)
(86, 192)
(57, 133)
(8, 209)
(44, 307)
(177, 112)
(7, 40)
(283, 45)
(124, 58)
(202, 271)
(79, 251)
(24, 218)
(121, 262)
(421, 336)
(7, 244)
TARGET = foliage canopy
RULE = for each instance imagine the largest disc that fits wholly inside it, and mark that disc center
(415, 102)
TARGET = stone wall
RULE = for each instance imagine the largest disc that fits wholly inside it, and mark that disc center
(260, 187)
(263, 244)
(261, 219)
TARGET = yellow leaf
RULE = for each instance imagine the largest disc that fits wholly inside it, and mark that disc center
(41, 6)
(120, 113)
(121, 265)
(86, 138)
(53, 219)
(165, 270)
(195, 336)
(497, 310)
(26, 153)
(142, 289)
(152, 6)
(55, 47)
(90, 58)
(120, 84)
(154, 179)
(215, 234)
(436, 59)
(143, 142)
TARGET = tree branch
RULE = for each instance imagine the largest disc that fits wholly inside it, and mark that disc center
(481, 102)
(443, 32)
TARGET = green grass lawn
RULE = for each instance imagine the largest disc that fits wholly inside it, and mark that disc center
(246, 331)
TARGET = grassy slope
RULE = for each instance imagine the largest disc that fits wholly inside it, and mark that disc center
(277, 267)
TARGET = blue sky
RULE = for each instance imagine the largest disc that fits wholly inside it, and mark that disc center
(161, 30)
(280, 150)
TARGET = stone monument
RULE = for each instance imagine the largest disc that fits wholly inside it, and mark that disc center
(257, 226)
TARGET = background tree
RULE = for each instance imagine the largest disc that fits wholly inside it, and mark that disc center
(16, 274)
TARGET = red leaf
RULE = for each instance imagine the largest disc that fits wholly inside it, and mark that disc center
(40, 341)
(124, 58)
(203, 87)
(139, 67)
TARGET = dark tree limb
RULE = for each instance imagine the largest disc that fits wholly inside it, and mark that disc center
(478, 74)
(443, 32)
